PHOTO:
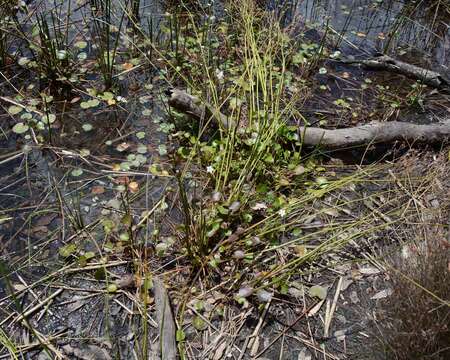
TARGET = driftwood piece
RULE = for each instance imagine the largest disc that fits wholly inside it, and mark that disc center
(387, 63)
(189, 104)
(375, 132)
(166, 323)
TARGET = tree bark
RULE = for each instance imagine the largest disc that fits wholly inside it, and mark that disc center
(372, 133)
(387, 63)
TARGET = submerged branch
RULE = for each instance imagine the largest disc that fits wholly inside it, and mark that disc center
(387, 63)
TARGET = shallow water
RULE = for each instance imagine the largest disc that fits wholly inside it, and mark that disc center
(390, 26)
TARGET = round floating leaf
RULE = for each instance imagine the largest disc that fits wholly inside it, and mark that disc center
(87, 127)
(49, 118)
(81, 44)
(107, 95)
(199, 323)
(94, 102)
(141, 159)
(14, 110)
(23, 61)
(318, 291)
(20, 128)
(67, 250)
(140, 135)
(162, 149)
(180, 335)
(77, 172)
(142, 149)
(112, 288)
(84, 152)
(26, 116)
(61, 54)
(125, 166)
(124, 236)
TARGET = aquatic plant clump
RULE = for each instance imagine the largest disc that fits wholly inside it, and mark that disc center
(221, 180)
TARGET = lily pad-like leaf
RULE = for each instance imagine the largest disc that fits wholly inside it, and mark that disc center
(20, 128)
(67, 250)
(94, 102)
(14, 110)
(162, 149)
(23, 61)
(87, 127)
(125, 166)
(199, 323)
(140, 135)
(77, 172)
(112, 288)
(48, 118)
(81, 44)
(141, 159)
(318, 292)
(142, 149)
(89, 104)
(107, 95)
(61, 54)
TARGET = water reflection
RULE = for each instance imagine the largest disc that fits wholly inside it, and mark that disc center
(368, 26)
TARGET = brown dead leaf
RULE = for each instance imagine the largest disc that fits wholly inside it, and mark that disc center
(122, 180)
(122, 146)
(133, 186)
(127, 66)
(97, 190)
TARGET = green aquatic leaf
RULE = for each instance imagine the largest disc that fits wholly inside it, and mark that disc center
(67, 250)
(48, 118)
(318, 292)
(14, 110)
(81, 44)
(77, 172)
(20, 128)
(199, 323)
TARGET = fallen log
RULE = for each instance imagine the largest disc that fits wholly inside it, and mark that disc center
(189, 104)
(375, 133)
(387, 63)
(372, 133)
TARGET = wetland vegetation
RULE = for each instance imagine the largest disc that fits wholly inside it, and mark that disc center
(162, 194)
